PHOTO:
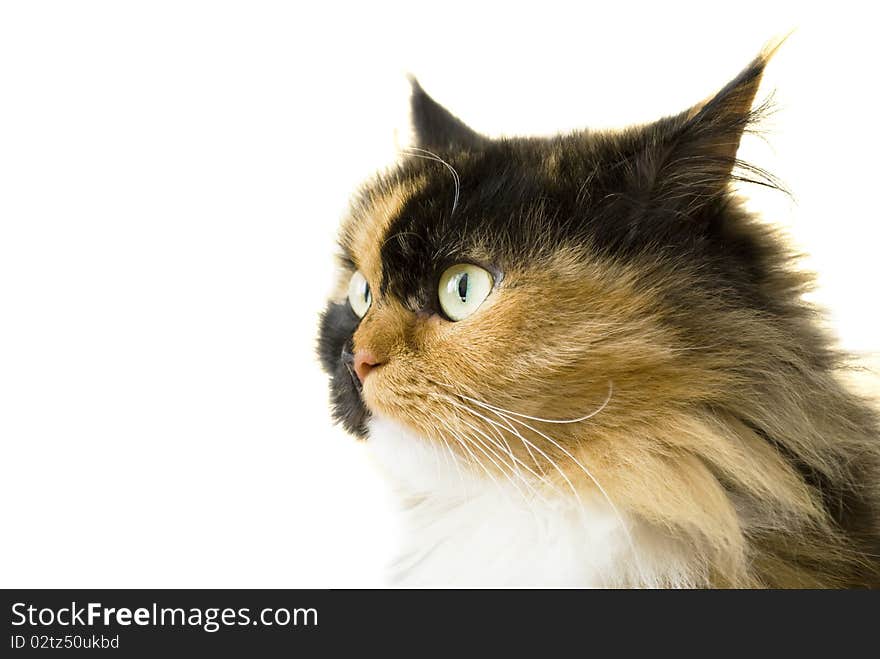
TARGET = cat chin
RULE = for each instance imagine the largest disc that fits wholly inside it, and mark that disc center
(463, 528)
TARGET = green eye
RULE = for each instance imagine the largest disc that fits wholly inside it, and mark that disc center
(359, 294)
(463, 288)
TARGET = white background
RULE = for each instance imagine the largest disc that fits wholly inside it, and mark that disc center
(171, 177)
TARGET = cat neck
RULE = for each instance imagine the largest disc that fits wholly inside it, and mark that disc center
(462, 527)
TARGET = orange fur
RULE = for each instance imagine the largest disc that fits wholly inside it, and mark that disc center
(684, 410)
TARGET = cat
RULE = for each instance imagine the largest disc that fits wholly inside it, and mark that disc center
(583, 363)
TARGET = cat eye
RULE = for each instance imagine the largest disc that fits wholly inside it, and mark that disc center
(463, 288)
(359, 296)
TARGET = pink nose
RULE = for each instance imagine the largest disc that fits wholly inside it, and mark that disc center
(364, 362)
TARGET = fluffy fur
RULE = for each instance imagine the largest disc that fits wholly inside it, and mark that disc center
(643, 400)
(464, 529)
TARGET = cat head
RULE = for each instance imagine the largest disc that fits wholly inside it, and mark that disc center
(540, 274)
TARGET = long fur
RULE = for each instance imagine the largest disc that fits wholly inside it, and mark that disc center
(729, 449)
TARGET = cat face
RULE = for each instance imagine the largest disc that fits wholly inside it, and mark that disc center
(566, 260)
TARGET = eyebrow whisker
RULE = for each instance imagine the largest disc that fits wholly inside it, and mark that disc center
(430, 155)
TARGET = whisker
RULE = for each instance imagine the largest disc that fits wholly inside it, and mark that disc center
(528, 501)
(589, 475)
(398, 235)
(433, 156)
(502, 440)
(515, 432)
(495, 425)
(464, 445)
(510, 416)
(451, 452)
(544, 455)
(536, 418)
(504, 473)
(473, 442)
(514, 468)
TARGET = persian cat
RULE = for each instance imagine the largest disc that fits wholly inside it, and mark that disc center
(583, 363)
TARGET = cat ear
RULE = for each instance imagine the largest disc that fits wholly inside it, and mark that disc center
(691, 157)
(435, 128)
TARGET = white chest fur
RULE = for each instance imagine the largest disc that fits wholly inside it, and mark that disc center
(462, 528)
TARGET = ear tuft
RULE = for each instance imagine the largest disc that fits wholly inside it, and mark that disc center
(730, 110)
(698, 156)
(436, 128)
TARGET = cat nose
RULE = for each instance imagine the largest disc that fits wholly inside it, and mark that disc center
(364, 362)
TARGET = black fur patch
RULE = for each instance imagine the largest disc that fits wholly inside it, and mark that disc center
(660, 189)
(338, 323)
(510, 204)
